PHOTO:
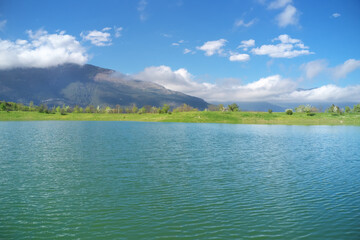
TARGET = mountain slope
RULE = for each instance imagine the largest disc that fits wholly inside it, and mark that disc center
(73, 84)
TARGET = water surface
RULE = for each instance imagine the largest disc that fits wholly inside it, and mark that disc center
(129, 180)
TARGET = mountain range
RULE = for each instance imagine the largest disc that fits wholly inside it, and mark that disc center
(84, 85)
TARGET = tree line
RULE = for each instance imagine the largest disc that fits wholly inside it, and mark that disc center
(165, 109)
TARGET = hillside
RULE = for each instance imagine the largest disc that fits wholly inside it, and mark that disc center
(73, 84)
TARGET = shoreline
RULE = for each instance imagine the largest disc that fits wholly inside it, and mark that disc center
(275, 118)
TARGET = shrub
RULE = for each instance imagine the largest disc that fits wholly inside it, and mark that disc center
(234, 107)
(270, 111)
(356, 108)
(289, 111)
(347, 109)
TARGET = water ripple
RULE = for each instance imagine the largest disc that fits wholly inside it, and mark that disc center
(127, 180)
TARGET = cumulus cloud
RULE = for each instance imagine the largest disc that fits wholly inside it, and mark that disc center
(236, 57)
(287, 48)
(326, 93)
(336, 15)
(272, 88)
(290, 16)
(314, 68)
(98, 38)
(279, 4)
(246, 44)
(178, 80)
(242, 23)
(141, 9)
(41, 50)
(2, 24)
(342, 70)
(213, 47)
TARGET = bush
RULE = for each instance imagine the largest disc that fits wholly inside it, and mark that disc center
(270, 111)
(289, 111)
(234, 107)
(356, 108)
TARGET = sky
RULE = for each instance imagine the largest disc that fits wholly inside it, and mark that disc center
(222, 51)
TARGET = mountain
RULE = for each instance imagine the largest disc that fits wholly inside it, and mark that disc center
(73, 84)
(256, 106)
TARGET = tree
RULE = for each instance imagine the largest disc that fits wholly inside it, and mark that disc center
(58, 109)
(334, 109)
(76, 109)
(118, 108)
(41, 108)
(270, 111)
(31, 106)
(142, 110)
(165, 108)
(356, 108)
(154, 110)
(134, 108)
(234, 107)
(221, 107)
(289, 111)
(128, 110)
(108, 109)
(347, 109)
(3, 106)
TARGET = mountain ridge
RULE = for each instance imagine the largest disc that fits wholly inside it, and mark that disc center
(84, 85)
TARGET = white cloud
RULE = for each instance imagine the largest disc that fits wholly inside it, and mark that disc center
(166, 35)
(284, 38)
(212, 47)
(178, 43)
(344, 69)
(41, 50)
(279, 4)
(2, 24)
(242, 23)
(273, 88)
(314, 68)
(287, 48)
(289, 16)
(239, 57)
(98, 38)
(118, 31)
(336, 15)
(246, 44)
(141, 9)
(186, 51)
(179, 80)
(326, 93)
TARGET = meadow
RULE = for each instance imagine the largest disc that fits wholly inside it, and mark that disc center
(194, 117)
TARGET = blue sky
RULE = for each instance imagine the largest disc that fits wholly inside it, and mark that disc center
(219, 50)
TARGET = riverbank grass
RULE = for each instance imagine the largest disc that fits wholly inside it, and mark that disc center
(194, 117)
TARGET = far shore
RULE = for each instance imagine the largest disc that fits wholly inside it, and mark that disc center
(194, 117)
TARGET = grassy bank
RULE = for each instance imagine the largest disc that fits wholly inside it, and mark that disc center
(194, 117)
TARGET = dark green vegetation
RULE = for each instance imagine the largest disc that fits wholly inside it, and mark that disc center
(184, 113)
(72, 85)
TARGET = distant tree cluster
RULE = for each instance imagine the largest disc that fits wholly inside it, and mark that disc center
(185, 108)
(165, 109)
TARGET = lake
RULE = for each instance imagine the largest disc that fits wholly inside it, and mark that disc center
(138, 180)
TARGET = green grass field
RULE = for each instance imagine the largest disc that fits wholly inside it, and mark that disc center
(194, 117)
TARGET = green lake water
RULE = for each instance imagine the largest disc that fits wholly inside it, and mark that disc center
(136, 180)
